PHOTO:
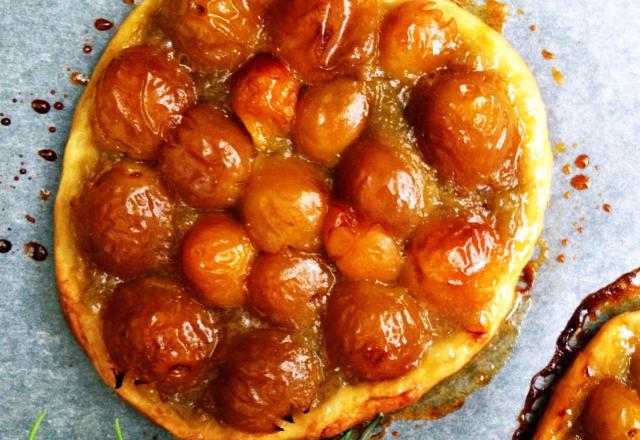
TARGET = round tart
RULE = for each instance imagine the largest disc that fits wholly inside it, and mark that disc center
(278, 218)
(591, 386)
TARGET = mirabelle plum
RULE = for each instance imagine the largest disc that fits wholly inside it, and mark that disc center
(376, 332)
(264, 96)
(208, 160)
(321, 39)
(216, 258)
(612, 412)
(287, 288)
(284, 205)
(415, 40)
(156, 333)
(125, 220)
(214, 34)
(361, 250)
(450, 266)
(384, 184)
(467, 128)
(268, 376)
(139, 99)
(329, 118)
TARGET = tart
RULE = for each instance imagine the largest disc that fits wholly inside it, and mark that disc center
(590, 389)
(279, 218)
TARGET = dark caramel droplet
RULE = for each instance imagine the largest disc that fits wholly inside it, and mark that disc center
(52, 129)
(580, 182)
(58, 105)
(30, 218)
(45, 194)
(36, 251)
(561, 258)
(582, 161)
(22, 171)
(102, 24)
(49, 155)
(5, 121)
(78, 79)
(40, 106)
(607, 208)
(87, 48)
(5, 246)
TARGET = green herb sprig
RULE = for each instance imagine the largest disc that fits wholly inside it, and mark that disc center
(36, 426)
(367, 432)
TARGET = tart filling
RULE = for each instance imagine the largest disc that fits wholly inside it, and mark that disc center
(279, 218)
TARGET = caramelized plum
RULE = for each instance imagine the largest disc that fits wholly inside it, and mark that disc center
(450, 266)
(376, 332)
(124, 219)
(287, 288)
(384, 184)
(139, 98)
(329, 118)
(321, 39)
(216, 258)
(264, 96)
(284, 205)
(208, 160)
(156, 333)
(467, 128)
(416, 40)
(612, 412)
(268, 376)
(214, 35)
(362, 250)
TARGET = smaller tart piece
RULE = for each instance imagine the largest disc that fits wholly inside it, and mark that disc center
(611, 412)
(384, 183)
(156, 333)
(284, 205)
(467, 128)
(416, 40)
(589, 390)
(362, 250)
(214, 34)
(264, 96)
(329, 118)
(207, 162)
(216, 258)
(268, 376)
(321, 39)
(138, 99)
(124, 220)
(375, 332)
(450, 266)
(287, 288)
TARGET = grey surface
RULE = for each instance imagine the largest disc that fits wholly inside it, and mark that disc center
(598, 50)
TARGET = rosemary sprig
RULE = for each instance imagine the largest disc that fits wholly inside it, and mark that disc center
(36, 425)
(116, 426)
(43, 414)
(367, 433)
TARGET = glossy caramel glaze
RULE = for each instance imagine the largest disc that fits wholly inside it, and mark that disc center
(295, 189)
(139, 99)
(288, 288)
(157, 333)
(321, 39)
(124, 219)
(214, 34)
(264, 95)
(216, 258)
(269, 375)
(208, 160)
(377, 332)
